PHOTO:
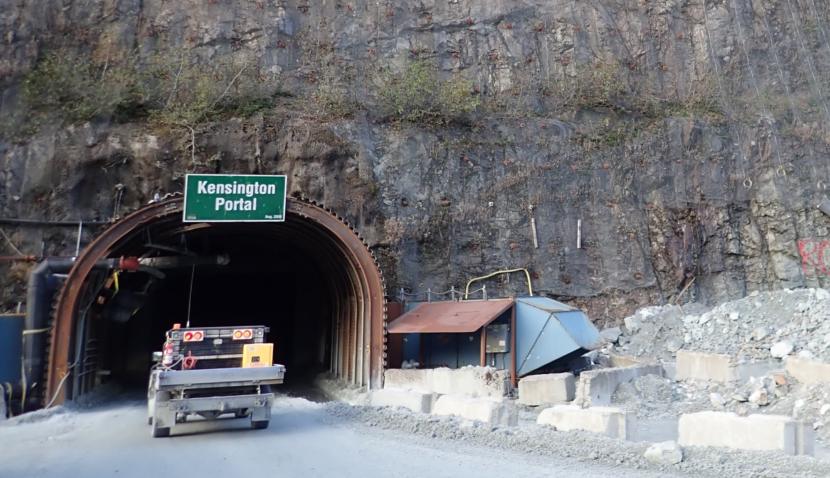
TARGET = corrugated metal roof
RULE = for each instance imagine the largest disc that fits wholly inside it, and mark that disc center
(449, 317)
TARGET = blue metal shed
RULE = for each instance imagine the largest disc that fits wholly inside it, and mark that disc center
(548, 330)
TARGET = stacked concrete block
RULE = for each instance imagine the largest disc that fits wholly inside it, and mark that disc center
(704, 366)
(596, 387)
(808, 371)
(408, 379)
(609, 421)
(547, 389)
(398, 398)
(719, 367)
(755, 432)
(492, 411)
(471, 381)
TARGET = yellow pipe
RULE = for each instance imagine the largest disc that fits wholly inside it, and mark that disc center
(492, 274)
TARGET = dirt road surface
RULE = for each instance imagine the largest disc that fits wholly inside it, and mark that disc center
(303, 441)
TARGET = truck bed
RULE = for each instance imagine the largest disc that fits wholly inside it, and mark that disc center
(220, 377)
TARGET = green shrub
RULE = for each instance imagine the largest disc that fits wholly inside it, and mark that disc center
(174, 89)
(592, 86)
(419, 95)
(78, 89)
(333, 100)
(187, 92)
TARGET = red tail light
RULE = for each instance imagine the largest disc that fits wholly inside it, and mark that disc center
(193, 336)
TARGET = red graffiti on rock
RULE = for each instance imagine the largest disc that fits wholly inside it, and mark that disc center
(815, 256)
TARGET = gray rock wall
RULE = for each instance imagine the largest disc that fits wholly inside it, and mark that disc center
(724, 195)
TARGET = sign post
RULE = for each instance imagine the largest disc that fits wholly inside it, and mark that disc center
(234, 198)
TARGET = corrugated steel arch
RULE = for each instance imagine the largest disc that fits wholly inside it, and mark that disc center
(367, 347)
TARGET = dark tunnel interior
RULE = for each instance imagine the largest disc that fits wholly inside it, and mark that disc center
(276, 276)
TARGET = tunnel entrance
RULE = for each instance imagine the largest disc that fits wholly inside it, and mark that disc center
(310, 279)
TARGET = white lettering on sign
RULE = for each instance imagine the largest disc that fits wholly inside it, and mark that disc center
(244, 189)
(223, 204)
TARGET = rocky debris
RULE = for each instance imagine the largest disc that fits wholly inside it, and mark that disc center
(653, 397)
(611, 335)
(755, 328)
(649, 396)
(781, 349)
(664, 453)
(717, 400)
(583, 446)
(759, 397)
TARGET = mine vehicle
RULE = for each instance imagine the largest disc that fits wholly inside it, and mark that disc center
(212, 372)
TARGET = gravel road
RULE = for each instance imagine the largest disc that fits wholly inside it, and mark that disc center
(304, 439)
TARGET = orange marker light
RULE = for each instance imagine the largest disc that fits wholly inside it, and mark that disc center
(242, 334)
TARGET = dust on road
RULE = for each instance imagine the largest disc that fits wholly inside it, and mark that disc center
(303, 440)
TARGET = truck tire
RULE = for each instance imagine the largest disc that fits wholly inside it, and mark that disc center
(160, 432)
(259, 424)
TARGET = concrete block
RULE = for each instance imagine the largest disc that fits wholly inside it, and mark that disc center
(755, 432)
(704, 366)
(626, 361)
(719, 367)
(609, 421)
(408, 379)
(410, 399)
(472, 381)
(491, 411)
(805, 439)
(745, 371)
(807, 371)
(595, 387)
(670, 370)
(547, 389)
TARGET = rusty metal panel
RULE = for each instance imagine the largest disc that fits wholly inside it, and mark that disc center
(449, 317)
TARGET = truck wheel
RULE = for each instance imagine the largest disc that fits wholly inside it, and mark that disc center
(149, 420)
(259, 424)
(159, 432)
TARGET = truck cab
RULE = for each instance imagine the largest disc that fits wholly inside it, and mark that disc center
(212, 372)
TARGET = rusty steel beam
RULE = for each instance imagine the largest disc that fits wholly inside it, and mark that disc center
(483, 344)
(367, 287)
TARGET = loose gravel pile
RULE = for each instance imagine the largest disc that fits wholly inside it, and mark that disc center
(758, 327)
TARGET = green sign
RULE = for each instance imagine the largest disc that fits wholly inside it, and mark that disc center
(234, 198)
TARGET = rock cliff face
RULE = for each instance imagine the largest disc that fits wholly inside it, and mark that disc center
(655, 144)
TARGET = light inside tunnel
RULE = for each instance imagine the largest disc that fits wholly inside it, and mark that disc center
(296, 277)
